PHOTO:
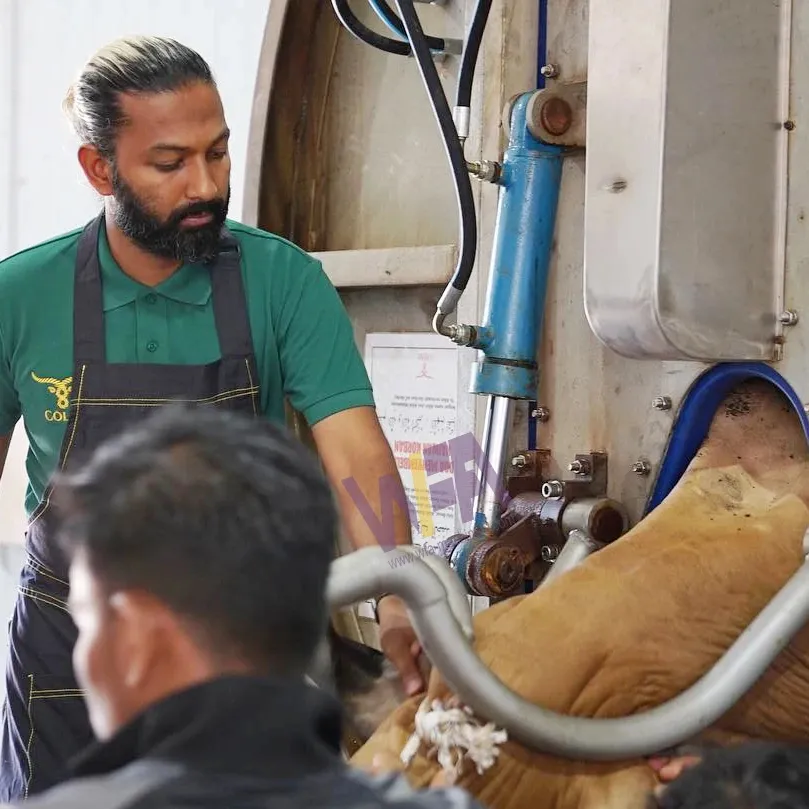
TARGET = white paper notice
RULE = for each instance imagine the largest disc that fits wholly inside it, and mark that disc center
(415, 379)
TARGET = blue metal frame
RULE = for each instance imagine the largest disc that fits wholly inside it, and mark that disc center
(515, 301)
(697, 412)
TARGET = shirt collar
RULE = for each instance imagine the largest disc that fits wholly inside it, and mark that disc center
(190, 284)
(239, 725)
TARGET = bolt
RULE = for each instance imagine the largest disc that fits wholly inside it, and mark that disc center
(549, 553)
(579, 467)
(788, 317)
(617, 186)
(553, 489)
(556, 116)
(789, 125)
(661, 403)
(549, 71)
(541, 414)
(519, 461)
(641, 468)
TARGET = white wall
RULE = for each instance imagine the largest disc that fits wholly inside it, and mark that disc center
(43, 45)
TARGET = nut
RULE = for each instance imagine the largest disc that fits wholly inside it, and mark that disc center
(579, 467)
(553, 489)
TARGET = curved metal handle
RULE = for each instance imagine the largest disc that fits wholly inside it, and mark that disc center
(371, 571)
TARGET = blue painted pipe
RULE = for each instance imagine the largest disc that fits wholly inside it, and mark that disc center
(697, 411)
(515, 302)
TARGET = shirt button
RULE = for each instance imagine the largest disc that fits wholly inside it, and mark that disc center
(150, 298)
(151, 346)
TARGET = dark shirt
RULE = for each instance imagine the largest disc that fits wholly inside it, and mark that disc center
(245, 742)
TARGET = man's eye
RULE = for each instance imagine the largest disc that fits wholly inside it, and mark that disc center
(167, 166)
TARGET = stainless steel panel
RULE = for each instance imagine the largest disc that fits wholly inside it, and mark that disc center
(686, 177)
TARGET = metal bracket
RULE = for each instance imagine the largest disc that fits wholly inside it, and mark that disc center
(590, 481)
(557, 115)
(529, 471)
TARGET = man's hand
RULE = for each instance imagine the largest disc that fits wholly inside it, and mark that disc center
(399, 643)
(385, 763)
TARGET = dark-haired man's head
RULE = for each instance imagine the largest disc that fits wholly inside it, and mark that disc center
(155, 144)
(200, 545)
(750, 776)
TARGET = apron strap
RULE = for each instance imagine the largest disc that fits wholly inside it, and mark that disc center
(229, 300)
(89, 343)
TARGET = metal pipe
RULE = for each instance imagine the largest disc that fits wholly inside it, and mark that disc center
(456, 594)
(370, 572)
(575, 550)
(499, 416)
(601, 518)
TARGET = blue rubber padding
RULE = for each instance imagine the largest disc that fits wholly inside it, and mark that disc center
(698, 410)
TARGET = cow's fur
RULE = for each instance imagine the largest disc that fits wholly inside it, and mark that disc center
(643, 619)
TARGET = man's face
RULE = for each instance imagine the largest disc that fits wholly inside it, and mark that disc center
(171, 175)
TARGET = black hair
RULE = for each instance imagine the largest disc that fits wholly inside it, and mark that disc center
(144, 64)
(228, 520)
(749, 776)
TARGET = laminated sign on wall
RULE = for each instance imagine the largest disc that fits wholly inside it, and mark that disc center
(415, 379)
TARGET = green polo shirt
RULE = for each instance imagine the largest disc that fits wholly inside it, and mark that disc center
(302, 336)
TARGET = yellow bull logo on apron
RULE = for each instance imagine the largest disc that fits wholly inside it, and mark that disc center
(61, 389)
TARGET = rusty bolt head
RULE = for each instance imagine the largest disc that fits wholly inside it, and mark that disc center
(556, 116)
(541, 414)
(549, 71)
(641, 467)
(495, 569)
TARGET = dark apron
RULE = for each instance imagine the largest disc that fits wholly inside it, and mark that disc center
(45, 721)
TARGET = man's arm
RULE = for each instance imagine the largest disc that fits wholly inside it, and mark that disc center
(361, 467)
(362, 470)
(326, 381)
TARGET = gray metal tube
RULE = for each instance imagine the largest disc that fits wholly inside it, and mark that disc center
(454, 590)
(372, 571)
(497, 428)
(575, 550)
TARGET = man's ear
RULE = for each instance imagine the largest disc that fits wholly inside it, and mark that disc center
(139, 628)
(96, 169)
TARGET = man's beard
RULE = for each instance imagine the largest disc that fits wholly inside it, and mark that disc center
(169, 239)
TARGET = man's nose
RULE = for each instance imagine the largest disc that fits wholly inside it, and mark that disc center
(201, 184)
